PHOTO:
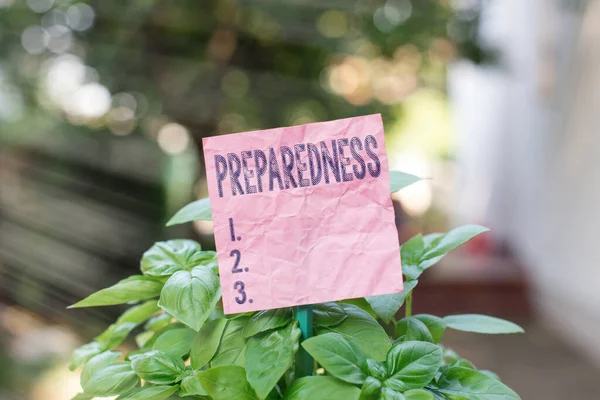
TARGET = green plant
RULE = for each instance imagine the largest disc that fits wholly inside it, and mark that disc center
(188, 347)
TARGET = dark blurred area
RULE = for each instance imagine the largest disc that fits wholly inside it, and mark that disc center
(104, 104)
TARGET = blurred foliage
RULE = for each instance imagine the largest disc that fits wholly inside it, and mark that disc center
(220, 66)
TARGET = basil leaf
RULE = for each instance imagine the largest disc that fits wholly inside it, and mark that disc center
(410, 254)
(395, 384)
(103, 376)
(158, 322)
(267, 320)
(140, 313)
(361, 303)
(175, 341)
(321, 388)
(453, 239)
(134, 288)
(150, 393)
(338, 356)
(371, 389)
(491, 374)
(435, 325)
(399, 180)
(458, 383)
(481, 324)
(362, 330)
(195, 211)
(387, 305)
(328, 314)
(158, 367)
(421, 252)
(232, 349)
(463, 363)
(411, 328)
(268, 357)
(226, 383)
(418, 394)
(389, 394)
(190, 296)
(114, 335)
(166, 258)
(377, 369)
(414, 363)
(82, 354)
(206, 343)
(190, 385)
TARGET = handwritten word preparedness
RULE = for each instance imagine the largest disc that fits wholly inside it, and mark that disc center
(301, 165)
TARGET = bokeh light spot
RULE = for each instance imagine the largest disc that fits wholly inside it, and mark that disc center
(35, 39)
(81, 17)
(235, 83)
(333, 23)
(173, 138)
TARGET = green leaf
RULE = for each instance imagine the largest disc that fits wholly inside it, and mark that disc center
(338, 356)
(190, 385)
(399, 180)
(166, 258)
(226, 383)
(377, 369)
(139, 313)
(463, 363)
(410, 328)
(267, 320)
(321, 388)
(328, 314)
(195, 211)
(410, 254)
(435, 325)
(386, 306)
(491, 374)
(362, 330)
(371, 389)
(190, 296)
(395, 384)
(82, 354)
(134, 288)
(389, 394)
(481, 324)
(414, 363)
(114, 335)
(232, 349)
(175, 341)
(150, 393)
(207, 342)
(158, 367)
(143, 338)
(459, 383)
(436, 395)
(421, 252)
(268, 357)
(418, 394)
(360, 303)
(103, 376)
(158, 322)
(453, 239)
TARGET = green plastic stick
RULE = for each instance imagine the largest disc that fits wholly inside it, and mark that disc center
(304, 362)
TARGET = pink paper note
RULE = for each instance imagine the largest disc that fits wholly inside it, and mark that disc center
(303, 214)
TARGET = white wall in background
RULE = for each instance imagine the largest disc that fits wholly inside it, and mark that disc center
(529, 151)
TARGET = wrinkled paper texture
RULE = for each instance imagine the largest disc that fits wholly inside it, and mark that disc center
(303, 245)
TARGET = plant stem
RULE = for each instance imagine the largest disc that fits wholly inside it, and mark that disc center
(408, 305)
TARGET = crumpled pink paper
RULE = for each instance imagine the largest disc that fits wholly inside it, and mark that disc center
(304, 245)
